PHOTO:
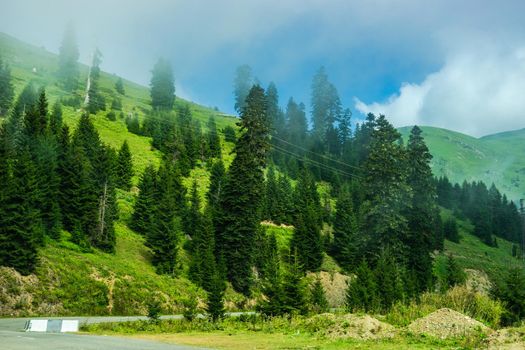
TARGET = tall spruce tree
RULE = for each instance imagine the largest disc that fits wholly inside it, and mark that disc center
(68, 60)
(124, 167)
(143, 217)
(55, 120)
(164, 237)
(162, 86)
(240, 201)
(119, 86)
(362, 293)
(387, 195)
(95, 100)
(306, 240)
(345, 244)
(20, 227)
(421, 239)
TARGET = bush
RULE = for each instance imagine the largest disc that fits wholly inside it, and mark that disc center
(154, 311)
(111, 116)
(116, 104)
(73, 101)
(190, 308)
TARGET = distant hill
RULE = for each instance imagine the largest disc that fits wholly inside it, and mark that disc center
(497, 158)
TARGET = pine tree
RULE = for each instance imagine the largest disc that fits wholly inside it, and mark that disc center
(55, 120)
(387, 196)
(345, 244)
(215, 304)
(119, 86)
(318, 297)
(240, 201)
(95, 101)
(389, 280)
(68, 60)
(241, 86)
(143, 217)
(422, 236)
(164, 237)
(124, 167)
(306, 239)
(20, 228)
(162, 86)
(511, 290)
(455, 274)
(362, 293)
(294, 294)
(7, 91)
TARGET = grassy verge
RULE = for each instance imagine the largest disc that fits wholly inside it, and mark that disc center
(255, 333)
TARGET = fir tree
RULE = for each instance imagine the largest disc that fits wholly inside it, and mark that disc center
(95, 101)
(68, 60)
(318, 297)
(362, 293)
(124, 167)
(119, 86)
(20, 228)
(164, 237)
(455, 274)
(162, 86)
(7, 91)
(306, 239)
(55, 120)
(387, 196)
(421, 239)
(511, 290)
(240, 201)
(215, 304)
(143, 218)
(241, 86)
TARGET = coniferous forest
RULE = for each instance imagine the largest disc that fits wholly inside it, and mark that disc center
(353, 191)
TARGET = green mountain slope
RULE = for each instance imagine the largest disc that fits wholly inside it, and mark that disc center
(498, 158)
(68, 281)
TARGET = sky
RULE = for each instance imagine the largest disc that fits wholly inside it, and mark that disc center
(454, 64)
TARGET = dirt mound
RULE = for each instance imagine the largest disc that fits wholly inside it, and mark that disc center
(350, 326)
(446, 323)
(507, 338)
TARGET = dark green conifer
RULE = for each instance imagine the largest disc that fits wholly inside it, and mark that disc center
(240, 201)
(318, 297)
(124, 167)
(7, 91)
(162, 86)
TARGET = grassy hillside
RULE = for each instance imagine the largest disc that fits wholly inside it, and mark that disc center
(498, 158)
(68, 281)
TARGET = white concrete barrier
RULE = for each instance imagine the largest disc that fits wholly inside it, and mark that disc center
(52, 326)
(69, 326)
(37, 326)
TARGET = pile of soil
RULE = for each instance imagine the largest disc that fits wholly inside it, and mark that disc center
(447, 323)
(478, 281)
(352, 326)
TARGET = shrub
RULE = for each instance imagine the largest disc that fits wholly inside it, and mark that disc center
(111, 116)
(229, 134)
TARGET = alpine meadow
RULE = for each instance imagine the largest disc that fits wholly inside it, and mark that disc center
(229, 187)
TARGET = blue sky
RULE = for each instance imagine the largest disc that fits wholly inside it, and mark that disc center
(453, 64)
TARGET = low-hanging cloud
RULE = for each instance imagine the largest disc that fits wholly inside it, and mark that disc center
(477, 92)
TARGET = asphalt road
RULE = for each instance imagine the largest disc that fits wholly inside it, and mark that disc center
(13, 337)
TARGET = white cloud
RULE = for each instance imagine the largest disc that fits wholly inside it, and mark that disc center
(477, 92)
